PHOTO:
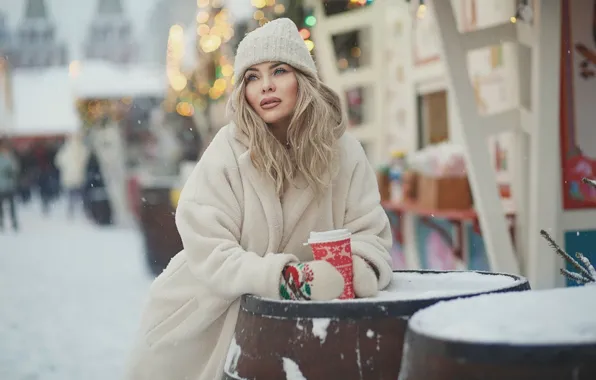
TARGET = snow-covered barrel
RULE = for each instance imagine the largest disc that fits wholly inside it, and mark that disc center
(535, 335)
(344, 339)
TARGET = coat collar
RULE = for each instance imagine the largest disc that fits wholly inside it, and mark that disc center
(282, 220)
(238, 135)
(265, 190)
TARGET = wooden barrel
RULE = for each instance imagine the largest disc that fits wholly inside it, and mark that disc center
(158, 226)
(348, 339)
(536, 335)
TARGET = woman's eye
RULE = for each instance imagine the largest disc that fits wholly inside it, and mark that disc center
(280, 70)
(250, 77)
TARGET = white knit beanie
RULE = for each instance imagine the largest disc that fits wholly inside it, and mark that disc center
(276, 41)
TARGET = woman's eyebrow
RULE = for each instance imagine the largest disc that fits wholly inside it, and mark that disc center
(270, 67)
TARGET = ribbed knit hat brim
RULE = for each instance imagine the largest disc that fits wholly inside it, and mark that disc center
(276, 41)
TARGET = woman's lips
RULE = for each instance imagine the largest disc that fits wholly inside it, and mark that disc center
(269, 103)
(267, 106)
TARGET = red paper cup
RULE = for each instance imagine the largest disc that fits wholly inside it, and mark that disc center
(335, 247)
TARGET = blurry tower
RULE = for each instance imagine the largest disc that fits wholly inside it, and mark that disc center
(35, 44)
(110, 36)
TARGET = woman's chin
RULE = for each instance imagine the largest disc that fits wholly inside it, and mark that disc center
(272, 120)
(272, 123)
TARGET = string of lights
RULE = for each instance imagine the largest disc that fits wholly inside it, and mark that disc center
(212, 78)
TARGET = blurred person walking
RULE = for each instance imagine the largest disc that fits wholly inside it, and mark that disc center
(71, 160)
(44, 176)
(8, 184)
(27, 173)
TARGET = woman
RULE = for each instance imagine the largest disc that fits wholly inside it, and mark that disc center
(282, 169)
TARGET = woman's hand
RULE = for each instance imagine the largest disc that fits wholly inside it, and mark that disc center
(313, 280)
(366, 280)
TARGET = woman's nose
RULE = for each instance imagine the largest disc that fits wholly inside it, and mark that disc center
(268, 85)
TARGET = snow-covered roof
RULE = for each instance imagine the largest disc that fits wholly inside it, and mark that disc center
(98, 79)
(43, 102)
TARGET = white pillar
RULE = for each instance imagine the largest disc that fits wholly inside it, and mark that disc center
(545, 173)
(520, 157)
(474, 130)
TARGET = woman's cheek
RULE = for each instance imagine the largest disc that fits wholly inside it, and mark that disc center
(251, 97)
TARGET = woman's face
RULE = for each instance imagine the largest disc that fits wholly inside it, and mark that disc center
(272, 90)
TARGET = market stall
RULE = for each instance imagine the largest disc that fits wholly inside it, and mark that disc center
(482, 75)
(138, 153)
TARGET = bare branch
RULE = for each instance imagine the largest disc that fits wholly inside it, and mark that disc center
(575, 277)
(587, 264)
(584, 272)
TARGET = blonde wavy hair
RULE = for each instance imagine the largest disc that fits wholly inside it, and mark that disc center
(317, 123)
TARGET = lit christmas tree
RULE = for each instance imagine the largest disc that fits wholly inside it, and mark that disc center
(209, 82)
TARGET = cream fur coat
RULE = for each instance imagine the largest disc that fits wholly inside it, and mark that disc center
(238, 235)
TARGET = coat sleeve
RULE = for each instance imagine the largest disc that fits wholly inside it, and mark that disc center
(367, 220)
(208, 218)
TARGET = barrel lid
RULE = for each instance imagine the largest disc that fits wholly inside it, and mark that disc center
(410, 291)
(564, 316)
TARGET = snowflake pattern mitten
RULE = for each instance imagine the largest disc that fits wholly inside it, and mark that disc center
(314, 280)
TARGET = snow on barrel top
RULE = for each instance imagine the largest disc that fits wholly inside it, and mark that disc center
(545, 317)
(408, 286)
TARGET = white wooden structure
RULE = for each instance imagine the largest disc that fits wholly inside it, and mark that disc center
(539, 123)
(529, 114)
(371, 132)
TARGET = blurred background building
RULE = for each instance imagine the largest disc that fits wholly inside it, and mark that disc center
(476, 114)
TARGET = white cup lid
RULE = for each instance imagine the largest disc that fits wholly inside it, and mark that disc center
(333, 235)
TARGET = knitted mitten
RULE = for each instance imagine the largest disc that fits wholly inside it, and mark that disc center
(366, 282)
(314, 280)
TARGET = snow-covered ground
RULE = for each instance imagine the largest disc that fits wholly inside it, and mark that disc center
(70, 298)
